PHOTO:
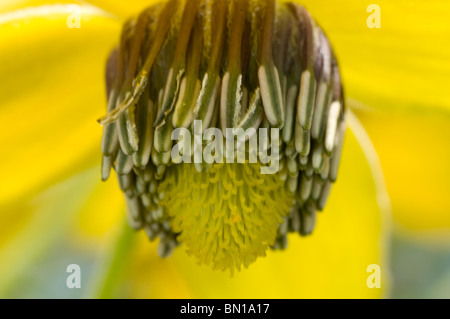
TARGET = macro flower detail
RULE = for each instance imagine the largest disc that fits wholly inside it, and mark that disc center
(243, 66)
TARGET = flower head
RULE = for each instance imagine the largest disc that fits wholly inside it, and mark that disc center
(245, 66)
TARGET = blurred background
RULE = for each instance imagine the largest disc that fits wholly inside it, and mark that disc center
(54, 211)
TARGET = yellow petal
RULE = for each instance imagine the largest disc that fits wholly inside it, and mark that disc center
(52, 91)
(349, 233)
(333, 262)
(13, 5)
(123, 9)
(405, 64)
(104, 210)
(413, 150)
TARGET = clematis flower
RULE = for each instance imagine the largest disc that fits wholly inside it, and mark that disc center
(53, 90)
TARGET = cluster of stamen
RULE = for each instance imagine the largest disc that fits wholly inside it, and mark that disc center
(229, 64)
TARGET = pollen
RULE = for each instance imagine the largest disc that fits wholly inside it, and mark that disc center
(226, 216)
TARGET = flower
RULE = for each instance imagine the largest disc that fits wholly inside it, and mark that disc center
(170, 76)
(50, 191)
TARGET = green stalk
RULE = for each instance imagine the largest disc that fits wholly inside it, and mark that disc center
(109, 271)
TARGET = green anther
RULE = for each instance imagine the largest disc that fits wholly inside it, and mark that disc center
(177, 70)
(302, 140)
(107, 162)
(331, 129)
(134, 212)
(110, 141)
(211, 81)
(317, 157)
(325, 168)
(271, 95)
(305, 188)
(125, 182)
(231, 100)
(124, 163)
(308, 222)
(145, 117)
(316, 188)
(335, 159)
(322, 102)
(254, 114)
(162, 137)
(306, 99)
(231, 94)
(324, 195)
(127, 132)
(289, 122)
(268, 76)
(207, 99)
(190, 85)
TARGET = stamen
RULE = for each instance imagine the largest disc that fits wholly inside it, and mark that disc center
(127, 132)
(254, 115)
(317, 157)
(333, 117)
(305, 188)
(145, 119)
(107, 162)
(324, 195)
(190, 85)
(289, 121)
(231, 95)
(306, 99)
(269, 79)
(124, 163)
(211, 80)
(302, 140)
(335, 159)
(135, 212)
(308, 222)
(179, 61)
(110, 141)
